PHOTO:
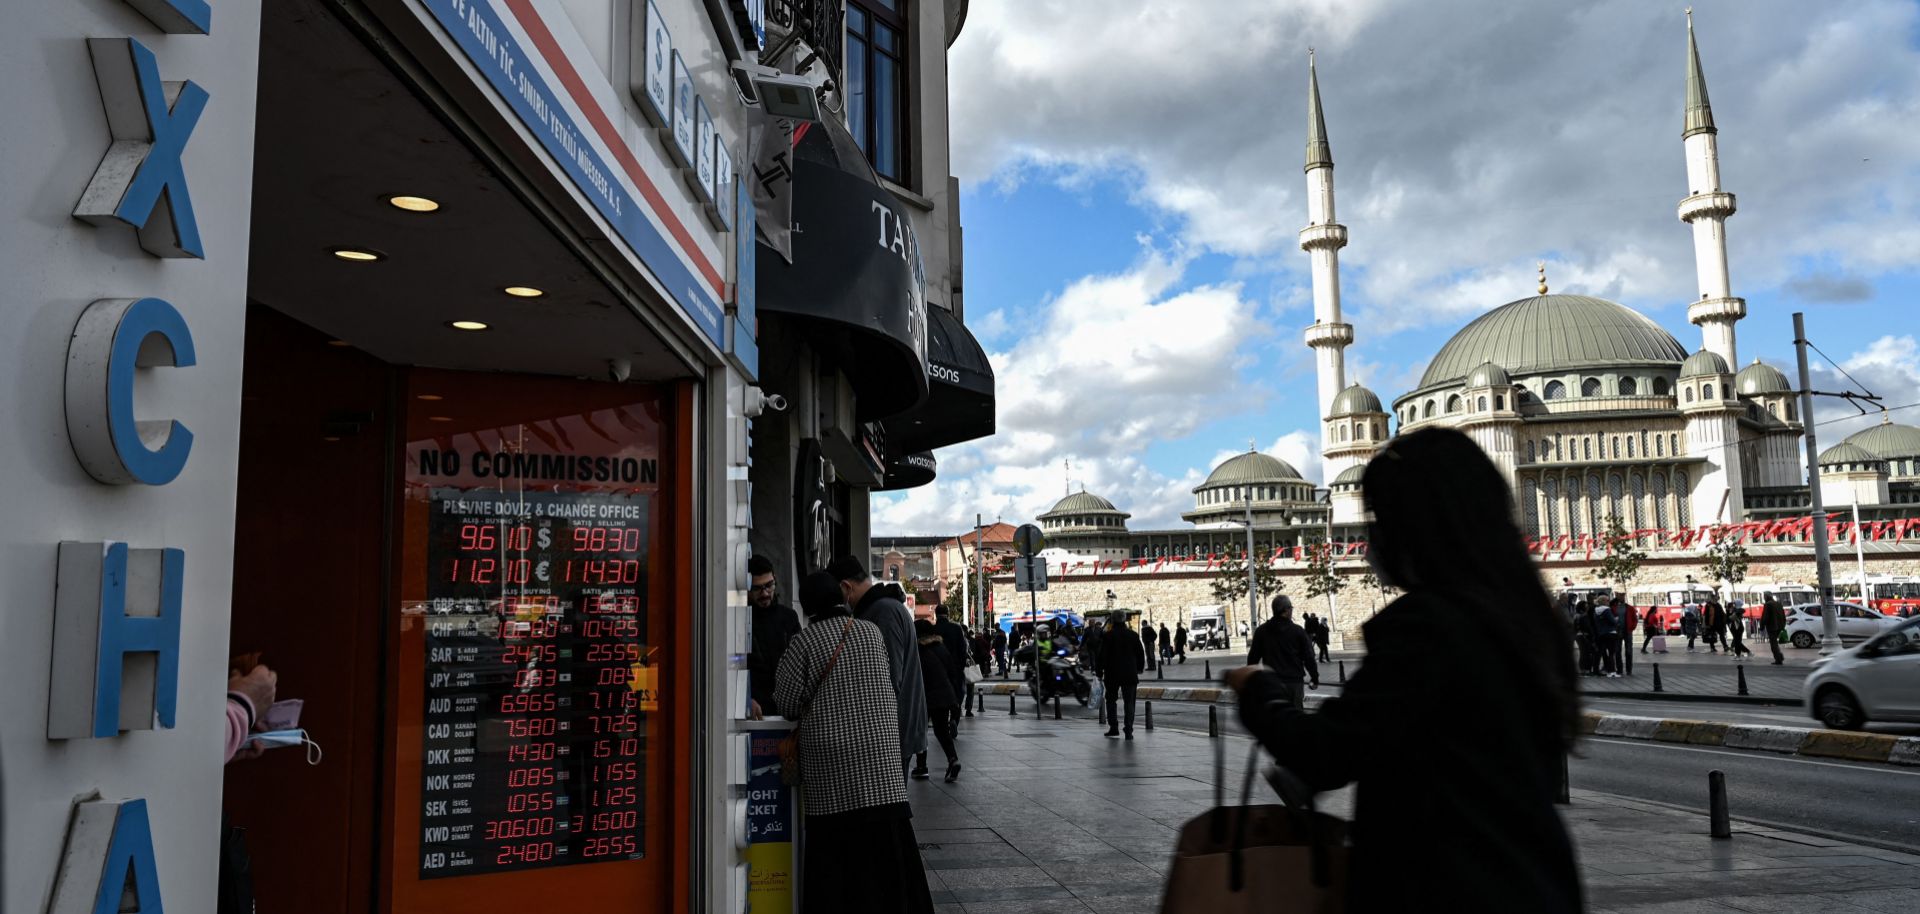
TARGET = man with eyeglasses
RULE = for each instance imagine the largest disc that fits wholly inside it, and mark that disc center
(774, 624)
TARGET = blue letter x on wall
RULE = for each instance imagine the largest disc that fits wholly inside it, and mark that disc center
(141, 181)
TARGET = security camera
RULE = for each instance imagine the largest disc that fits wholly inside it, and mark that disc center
(758, 402)
(618, 370)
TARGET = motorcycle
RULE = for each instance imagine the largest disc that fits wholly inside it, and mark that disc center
(1056, 675)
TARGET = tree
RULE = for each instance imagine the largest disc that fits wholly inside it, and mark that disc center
(1370, 581)
(1230, 584)
(1726, 559)
(1322, 579)
(1622, 561)
(955, 602)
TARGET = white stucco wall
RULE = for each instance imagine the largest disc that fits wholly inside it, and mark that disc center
(55, 266)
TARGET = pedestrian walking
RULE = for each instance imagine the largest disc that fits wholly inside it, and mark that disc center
(945, 686)
(1166, 644)
(1286, 650)
(1736, 620)
(1119, 664)
(1653, 626)
(1322, 637)
(1713, 623)
(872, 604)
(1000, 651)
(835, 680)
(774, 626)
(1773, 621)
(1629, 621)
(1471, 826)
(983, 652)
(1180, 641)
(1690, 626)
(1090, 644)
(1146, 641)
(1606, 638)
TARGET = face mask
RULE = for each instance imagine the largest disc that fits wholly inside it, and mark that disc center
(275, 739)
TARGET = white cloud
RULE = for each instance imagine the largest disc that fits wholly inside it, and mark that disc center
(1472, 137)
(1889, 367)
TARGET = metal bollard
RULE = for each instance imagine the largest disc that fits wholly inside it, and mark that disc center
(1566, 783)
(1056, 707)
(1149, 715)
(1213, 722)
(1717, 803)
(1656, 678)
(1209, 670)
(1013, 706)
(1343, 672)
(1741, 671)
(1160, 672)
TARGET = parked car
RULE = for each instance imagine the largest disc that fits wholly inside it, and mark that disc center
(1877, 680)
(1857, 623)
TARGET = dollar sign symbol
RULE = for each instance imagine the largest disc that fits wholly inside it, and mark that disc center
(546, 537)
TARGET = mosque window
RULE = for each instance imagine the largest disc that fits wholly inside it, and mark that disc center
(1773, 409)
(1616, 447)
(1638, 485)
(1586, 448)
(1428, 413)
(1590, 387)
(1673, 444)
(1629, 446)
(1615, 493)
(1681, 491)
(1483, 404)
(1659, 446)
(1453, 404)
(1343, 433)
(1379, 429)
(1689, 395)
(1530, 452)
(1551, 488)
(1499, 402)
(1660, 501)
(1706, 392)
(1792, 414)
(1628, 388)
(1555, 390)
(1660, 387)
(1530, 505)
(1596, 505)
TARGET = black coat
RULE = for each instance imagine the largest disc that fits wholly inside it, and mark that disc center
(1285, 648)
(956, 638)
(773, 628)
(1454, 809)
(939, 674)
(1121, 657)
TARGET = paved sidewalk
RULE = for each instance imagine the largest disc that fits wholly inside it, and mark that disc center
(1049, 816)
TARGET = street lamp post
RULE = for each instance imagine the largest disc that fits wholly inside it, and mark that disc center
(1822, 562)
(1253, 586)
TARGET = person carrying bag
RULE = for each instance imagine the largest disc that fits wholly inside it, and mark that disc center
(1244, 859)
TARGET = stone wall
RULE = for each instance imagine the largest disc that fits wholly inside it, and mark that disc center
(1170, 596)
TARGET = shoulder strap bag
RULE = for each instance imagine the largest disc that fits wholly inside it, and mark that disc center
(790, 770)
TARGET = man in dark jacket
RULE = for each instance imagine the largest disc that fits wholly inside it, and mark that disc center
(1322, 637)
(1713, 620)
(1285, 648)
(1146, 641)
(943, 682)
(1000, 651)
(957, 648)
(1180, 641)
(1773, 620)
(872, 604)
(774, 625)
(1119, 664)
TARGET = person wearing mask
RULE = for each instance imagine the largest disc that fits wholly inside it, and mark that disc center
(1119, 664)
(1000, 651)
(1285, 648)
(873, 604)
(945, 686)
(1180, 641)
(1737, 620)
(1475, 829)
(1773, 621)
(774, 624)
(1146, 641)
(836, 680)
(1690, 626)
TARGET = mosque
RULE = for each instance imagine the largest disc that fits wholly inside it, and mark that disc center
(1591, 409)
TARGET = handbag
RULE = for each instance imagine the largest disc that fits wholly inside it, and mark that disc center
(1245, 859)
(791, 771)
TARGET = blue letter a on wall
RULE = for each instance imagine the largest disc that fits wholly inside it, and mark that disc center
(108, 867)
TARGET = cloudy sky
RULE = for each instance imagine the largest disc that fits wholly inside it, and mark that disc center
(1132, 192)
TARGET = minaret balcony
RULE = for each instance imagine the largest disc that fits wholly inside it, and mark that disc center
(1329, 235)
(1330, 334)
(1718, 204)
(1716, 310)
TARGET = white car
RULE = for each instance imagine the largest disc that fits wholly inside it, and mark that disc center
(1877, 680)
(1856, 623)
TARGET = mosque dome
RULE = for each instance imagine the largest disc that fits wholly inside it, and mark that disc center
(1888, 441)
(1083, 503)
(1703, 363)
(1847, 454)
(1488, 374)
(1252, 467)
(1351, 476)
(1554, 333)
(1761, 378)
(1355, 400)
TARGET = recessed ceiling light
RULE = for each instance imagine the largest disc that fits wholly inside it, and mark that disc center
(414, 204)
(429, 397)
(358, 255)
(340, 343)
(330, 438)
(467, 325)
(523, 291)
(439, 418)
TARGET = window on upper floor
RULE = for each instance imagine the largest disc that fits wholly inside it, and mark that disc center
(877, 83)
(1660, 387)
(1706, 391)
(1554, 390)
(1673, 443)
(1483, 404)
(1453, 403)
(1590, 387)
(1628, 388)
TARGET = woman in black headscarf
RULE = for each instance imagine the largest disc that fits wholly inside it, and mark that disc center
(1456, 749)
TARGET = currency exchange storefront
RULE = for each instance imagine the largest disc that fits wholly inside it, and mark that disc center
(398, 346)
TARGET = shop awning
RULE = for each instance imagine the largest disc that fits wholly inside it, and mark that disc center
(959, 405)
(857, 284)
(908, 471)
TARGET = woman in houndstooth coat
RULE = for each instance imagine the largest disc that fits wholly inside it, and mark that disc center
(861, 854)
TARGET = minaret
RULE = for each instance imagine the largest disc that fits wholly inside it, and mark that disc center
(1322, 239)
(1706, 208)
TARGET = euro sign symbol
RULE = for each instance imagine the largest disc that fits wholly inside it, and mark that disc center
(540, 571)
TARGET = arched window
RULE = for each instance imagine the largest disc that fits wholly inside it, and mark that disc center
(1483, 404)
(1379, 430)
(1531, 457)
(1616, 447)
(1689, 395)
(1638, 484)
(1586, 448)
(1628, 388)
(1596, 505)
(1673, 444)
(1343, 433)
(1683, 491)
(1706, 392)
(1428, 414)
(1551, 488)
(1793, 415)
(1590, 387)
(1660, 387)
(1530, 505)
(1499, 402)
(1453, 404)
(1615, 493)
(1643, 443)
(1660, 501)
(1555, 390)
(1629, 446)
(1659, 446)
(1773, 409)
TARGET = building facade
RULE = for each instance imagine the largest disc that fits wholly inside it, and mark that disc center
(414, 349)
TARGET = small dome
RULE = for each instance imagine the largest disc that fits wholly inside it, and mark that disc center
(1703, 363)
(1847, 453)
(1251, 467)
(1761, 378)
(1351, 476)
(1488, 374)
(1354, 401)
(1889, 440)
(1083, 503)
